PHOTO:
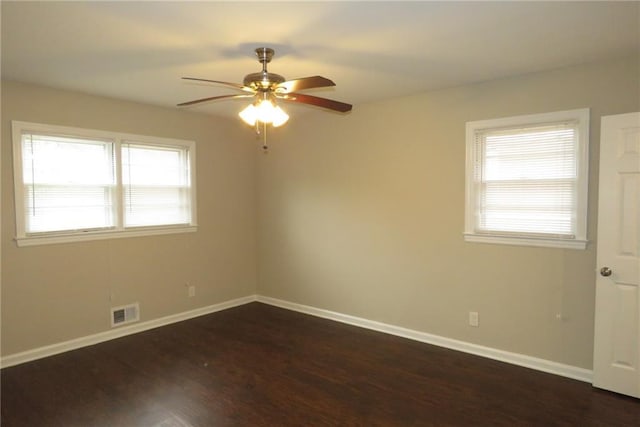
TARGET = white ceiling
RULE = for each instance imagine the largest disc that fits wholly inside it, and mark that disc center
(373, 50)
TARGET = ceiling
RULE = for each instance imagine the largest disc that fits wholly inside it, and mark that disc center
(372, 50)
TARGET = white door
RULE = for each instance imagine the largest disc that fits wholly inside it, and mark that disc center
(616, 364)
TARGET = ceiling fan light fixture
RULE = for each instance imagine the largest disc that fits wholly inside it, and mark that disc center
(264, 111)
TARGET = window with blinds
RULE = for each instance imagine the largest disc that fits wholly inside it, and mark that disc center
(69, 183)
(79, 184)
(156, 182)
(527, 180)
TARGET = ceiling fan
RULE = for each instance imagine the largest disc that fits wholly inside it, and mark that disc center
(266, 88)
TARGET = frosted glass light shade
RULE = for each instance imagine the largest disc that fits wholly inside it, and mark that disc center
(279, 117)
(249, 115)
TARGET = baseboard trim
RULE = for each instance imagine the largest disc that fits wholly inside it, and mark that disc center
(50, 350)
(543, 365)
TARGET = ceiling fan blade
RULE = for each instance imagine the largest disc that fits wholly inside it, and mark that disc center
(304, 83)
(233, 85)
(318, 102)
(197, 101)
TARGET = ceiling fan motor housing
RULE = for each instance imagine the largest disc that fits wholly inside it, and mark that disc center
(262, 81)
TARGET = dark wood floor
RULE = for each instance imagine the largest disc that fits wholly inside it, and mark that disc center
(257, 365)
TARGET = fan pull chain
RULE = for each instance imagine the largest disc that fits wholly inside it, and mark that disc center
(265, 148)
(264, 136)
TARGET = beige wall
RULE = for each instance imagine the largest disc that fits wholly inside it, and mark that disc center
(361, 214)
(53, 293)
(364, 215)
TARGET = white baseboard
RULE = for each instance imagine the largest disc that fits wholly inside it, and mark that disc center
(543, 365)
(50, 350)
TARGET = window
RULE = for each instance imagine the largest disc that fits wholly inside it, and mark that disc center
(527, 180)
(156, 182)
(78, 184)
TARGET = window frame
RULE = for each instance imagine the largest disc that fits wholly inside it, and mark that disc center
(23, 238)
(471, 234)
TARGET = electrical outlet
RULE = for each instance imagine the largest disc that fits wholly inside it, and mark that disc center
(474, 319)
(191, 290)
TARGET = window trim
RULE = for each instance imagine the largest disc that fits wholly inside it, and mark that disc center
(582, 156)
(119, 231)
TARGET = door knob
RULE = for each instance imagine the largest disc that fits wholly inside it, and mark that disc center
(605, 271)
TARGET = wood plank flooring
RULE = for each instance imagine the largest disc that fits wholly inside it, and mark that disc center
(258, 365)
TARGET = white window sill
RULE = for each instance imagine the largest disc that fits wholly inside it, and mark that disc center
(527, 241)
(49, 239)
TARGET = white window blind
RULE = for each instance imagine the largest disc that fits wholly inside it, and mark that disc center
(68, 183)
(75, 184)
(157, 187)
(528, 180)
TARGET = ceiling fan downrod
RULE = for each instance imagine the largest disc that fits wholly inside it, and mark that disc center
(263, 81)
(264, 56)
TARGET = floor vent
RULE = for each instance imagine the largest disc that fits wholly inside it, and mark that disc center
(125, 314)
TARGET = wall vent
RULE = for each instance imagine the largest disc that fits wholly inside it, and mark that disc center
(125, 314)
